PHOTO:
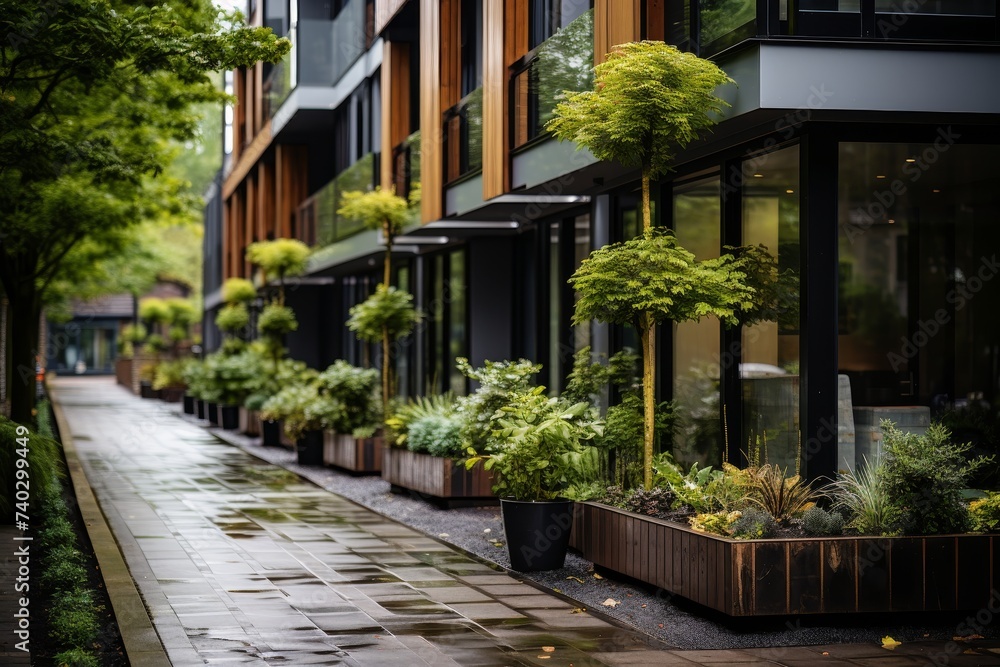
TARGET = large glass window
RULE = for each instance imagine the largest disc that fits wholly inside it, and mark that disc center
(445, 325)
(769, 368)
(709, 26)
(698, 438)
(568, 244)
(918, 226)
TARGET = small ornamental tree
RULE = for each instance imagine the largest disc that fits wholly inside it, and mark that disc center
(651, 279)
(281, 258)
(386, 315)
(380, 209)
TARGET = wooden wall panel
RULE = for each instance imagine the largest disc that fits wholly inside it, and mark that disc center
(615, 22)
(430, 110)
(248, 158)
(258, 95)
(265, 201)
(515, 30)
(656, 20)
(384, 11)
(292, 161)
(249, 220)
(494, 101)
(395, 103)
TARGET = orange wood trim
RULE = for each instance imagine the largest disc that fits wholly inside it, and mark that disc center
(388, 108)
(247, 159)
(247, 227)
(451, 53)
(258, 93)
(615, 22)
(384, 11)
(494, 101)
(656, 17)
(516, 30)
(430, 110)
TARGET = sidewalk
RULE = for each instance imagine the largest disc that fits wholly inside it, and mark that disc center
(242, 562)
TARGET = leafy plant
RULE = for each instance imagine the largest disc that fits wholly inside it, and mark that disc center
(238, 290)
(924, 476)
(657, 501)
(717, 523)
(281, 258)
(153, 311)
(354, 390)
(499, 382)
(817, 522)
(754, 524)
(864, 497)
(532, 444)
(380, 209)
(41, 457)
(170, 374)
(233, 319)
(437, 435)
(781, 496)
(230, 378)
(276, 321)
(290, 405)
(386, 315)
(398, 425)
(984, 513)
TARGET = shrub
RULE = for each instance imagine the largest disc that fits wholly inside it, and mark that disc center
(43, 460)
(984, 514)
(717, 523)
(388, 310)
(782, 497)
(615, 496)
(73, 620)
(233, 319)
(64, 575)
(498, 382)
(290, 405)
(437, 435)
(238, 290)
(276, 321)
(817, 522)
(154, 310)
(864, 497)
(754, 524)
(57, 531)
(398, 425)
(924, 475)
(655, 502)
(354, 388)
(170, 374)
(75, 657)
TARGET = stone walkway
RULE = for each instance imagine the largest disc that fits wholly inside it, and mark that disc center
(242, 562)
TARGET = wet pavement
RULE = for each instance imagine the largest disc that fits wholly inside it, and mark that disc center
(242, 562)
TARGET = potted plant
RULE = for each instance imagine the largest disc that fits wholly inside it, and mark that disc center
(353, 423)
(193, 375)
(534, 452)
(234, 376)
(304, 413)
(271, 379)
(168, 380)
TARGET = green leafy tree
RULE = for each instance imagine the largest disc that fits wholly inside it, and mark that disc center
(380, 209)
(386, 315)
(280, 258)
(93, 93)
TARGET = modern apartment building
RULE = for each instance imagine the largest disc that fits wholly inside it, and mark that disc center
(861, 147)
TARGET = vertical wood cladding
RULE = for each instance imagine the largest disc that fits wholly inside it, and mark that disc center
(495, 139)
(615, 22)
(395, 104)
(431, 44)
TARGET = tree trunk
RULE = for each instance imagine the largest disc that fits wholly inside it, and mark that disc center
(386, 368)
(648, 342)
(647, 217)
(25, 312)
(387, 264)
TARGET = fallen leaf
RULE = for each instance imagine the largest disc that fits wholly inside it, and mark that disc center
(826, 653)
(660, 625)
(643, 606)
(611, 603)
(889, 643)
(544, 657)
(597, 576)
(548, 649)
(579, 610)
(577, 579)
(966, 638)
(443, 535)
(487, 531)
(557, 590)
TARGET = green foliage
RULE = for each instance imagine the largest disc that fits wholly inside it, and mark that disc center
(57, 532)
(817, 522)
(753, 524)
(73, 621)
(378, 209)
(281, 258)
(782, 497)
(388, 310)
(353, 389)
(238, 290)
(76, 657)
(153, 311)
(182, 311)
(775, 293)
(398, 424)
(276, 320)
(499, 382)
(437, 435)
(649, 100)
(155, 344)
(233, 318)
(864, 498)
(535, 446)
(924, 476)
(290, 405)
(170, 374)
(624, 435)
(984, 514)
(133, 333)
(194, 374)
(275, 375)
(652, 273)
(64, 575)
(232, 377)
(657, 502)
(716, 523)
(588, 378)
(42, 464)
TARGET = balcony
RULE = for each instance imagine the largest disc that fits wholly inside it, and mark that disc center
(317, 221)
(406, 166)
(322, 52)
(561, 63)
(463, 138)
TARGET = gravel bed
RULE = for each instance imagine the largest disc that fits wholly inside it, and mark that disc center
(677, 623)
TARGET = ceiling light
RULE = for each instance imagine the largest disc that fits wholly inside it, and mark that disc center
(891, 221)
(936, 190)
(911, 159)
(758, 175)
(880, 176)
(790, 191)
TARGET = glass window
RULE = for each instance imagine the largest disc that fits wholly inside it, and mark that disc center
(698, 438)
(721, 23)
(938, 7)
(445, 324)
(547, 17)
(769, 368)
(917, 294)
(472, 45)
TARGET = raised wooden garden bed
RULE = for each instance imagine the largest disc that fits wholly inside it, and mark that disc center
(249, 422)
(792, 576)
(435, 476)
(357, 455)
(123, 373)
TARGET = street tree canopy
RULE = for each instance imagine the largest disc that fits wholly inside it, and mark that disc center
(93, 92)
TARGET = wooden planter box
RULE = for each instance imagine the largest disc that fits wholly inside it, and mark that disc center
(435, 476)
(357, 455)
(123, 373)
(249, 422)
(792, 576)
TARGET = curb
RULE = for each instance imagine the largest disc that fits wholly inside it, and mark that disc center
(142, 643)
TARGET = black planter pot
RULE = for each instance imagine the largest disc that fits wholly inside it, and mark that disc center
(200, 408)
(309, 448)
(188, 404)
(270, 433)
(537, 533)
(230, 417)
(213, 414)
(146, 390)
